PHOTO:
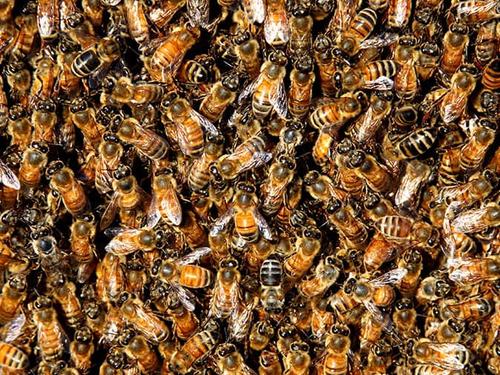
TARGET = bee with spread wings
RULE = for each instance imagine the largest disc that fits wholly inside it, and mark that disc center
(268, 90)
(179, 274)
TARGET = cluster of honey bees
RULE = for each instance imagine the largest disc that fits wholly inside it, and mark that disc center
(249, 187)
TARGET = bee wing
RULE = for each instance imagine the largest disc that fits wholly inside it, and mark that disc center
(182, 139)
(451, 106)
(239, 322)
(194, 256)
(198, 12)
(379, 41)
(263, 225)
(8, 177)
(258, 159)
(278, 99)
(205, 123)
(14, 328)
(123, 243)
(186, 297)
(474, 8)
(409, 187)
(276, 27)
(255, 10)
(144, 137)
(248, 90)
(109, 213)
(153, 214)
(450, 354)
(381, 83)
(221, 223)
(374, 311)
(391, 277)
(470, 221)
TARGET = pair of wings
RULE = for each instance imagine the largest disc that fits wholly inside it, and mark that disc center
(9, 178)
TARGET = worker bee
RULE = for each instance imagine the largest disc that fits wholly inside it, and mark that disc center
(12, 296)
(335, 360)
(271, 277)
(406, 82)
(12, 359)
(301, 24)
(84, 117)
(375, 75)
(450, 331)
(366, 126)
(399, 12)
(140, 350)
(164, 57)
(83, 231)
(267, 90)
(455, 42)
(260, 335)
(199, 175)
(491, 75)
(269, 363)
(334, 115)
(64, 292)
(226, 293)
(477, 220)
(199, 71)
(142, 318)
(146, 141)
(405, 318)
(189, 125)
(195, 348)
(412, 262)
(185, 321)
(48, 19)
(375, 175)
(179, 274)
(81, 31)
(247, 50)
(302, 79)
(110, 153)
(19, 127)
(324, 59)
(64, 183)
(432, 288)
(165, 202)
(298, 359)
(428, 58)
(412, 182)
(44, 120)
(51, 337)
(230, 361)
(222, 94)
(124, 91)
(97, 57)
(281, 174)
(454, 101)
(161, 12)
(307, 246)
(82, 349)
(325, 275)
(473, 152)
(474, 270)
(25, 40)
(67, 82)
(110, 280)
(248, 221)
(276, 27)
(450, 356)
(474, 11)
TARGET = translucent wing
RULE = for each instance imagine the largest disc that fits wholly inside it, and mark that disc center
(452, 106)
(182, 140)
(14, 328)
(239, 322)
(221, 223)
(447, 355)
(144, 137)
(276, 27)
(8, 177)
(198, 12)
(471, 221)
(255, 9)
(379, 41)
(153, 215)
(109, 213)
(124, 243)
(374, 311)
(391, 277)
(381, 83)
(278, 99)
(248, 90)
(205, 123)
(258, 159)
(186, 297)
(264, 228)
(194, 256)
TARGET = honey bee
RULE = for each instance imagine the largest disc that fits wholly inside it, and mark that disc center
(140, 350)
(276, 26)
(199, 71)
(12, 296)
(450, 331)
(96, 58)
(222, 94)
(227, 292)
(307, 246)
(180, 274)
(474, 11)
(80, 30)
(260, 335)
(334, 115)
(51, 337)
(281, 173)
(449, 356)
(302, 79)
(366, 126)
(67, 187)
(123, 91)
(230, 361)
(6, 10)
(137, 21)
(195, 348)
(48, 19)
(477, 188)
(287, 334)
(337, 345)
(493, 361)
(44, 77)
(428, 58)
(12, 359)
(64, 292)
(94, 11)
(67, 82)
(412, 262)
(399, 12)
(454, 102)
(298, 361)
(271, 277)
(145, 141)
(248, 221)
(375, 75)
(247, 50)
(324, 59)
(455, 42)
(301, 24)
(82, 349)
(379, 358)
(491, 75)
(412, 182)
(404, 230)
(474, 270)
(199, 174)
(19, 80)
(189, 125)
(25, 41)
(477, 220)
(405, 54)
(142, 318)
(269, 363)
(449, 167)
(375, 175)
(165, 202)
(405, 318)
(193, 233)
(44, 120)
(431, 289)
(162, 12)
(83, 231)
(110, 278)
(267, 90)
(84, 117)
(163, 61)
(185, 322)
(325, 275)
(110, 154)
(473, 152)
